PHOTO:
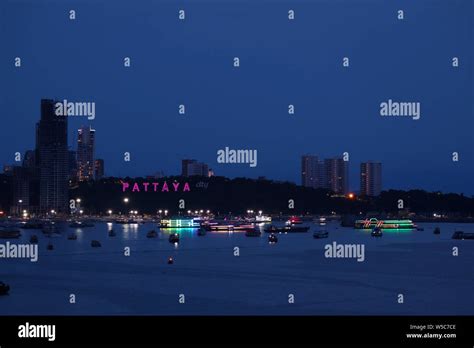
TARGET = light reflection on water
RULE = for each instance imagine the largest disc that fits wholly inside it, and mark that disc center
(79, 233)
(136, 233)
(130, 231)
(207, 262)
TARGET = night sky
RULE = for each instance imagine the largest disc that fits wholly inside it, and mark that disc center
(282, 62)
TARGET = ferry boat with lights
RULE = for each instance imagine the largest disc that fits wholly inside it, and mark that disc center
(231, 227)
(294, 220)
(181, 222)
(370, 224)
(286, 229)
(82, 224)
(263, 218)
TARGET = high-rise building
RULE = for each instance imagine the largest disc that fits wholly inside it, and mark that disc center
(184, 166)
(8, 169)
(29, 160)
(99, 169)
(192, 167)
(26, 183)
(85, 153)
(336, 175)
(52, 159)
(21, 189)
(72, 163)
(312, 172)
(6, 196)
(370, 178)
(198, 169)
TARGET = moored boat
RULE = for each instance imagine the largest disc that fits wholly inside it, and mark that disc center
(296, 229)
(4, 289)
(272, 238)
(72, 236)
(229, 226)
(81, 224)
(32, 225)
(50, 228)
(173, 238)
(286, 229)
(126, 221)
(180, 222)
(462, 235)
(95, 244)
(10, 233)
(294, 220)
(263, 218)
(253, 232)
(384, 224)
(376, 232)
(320, 234)
(34, 239)
(152, 234)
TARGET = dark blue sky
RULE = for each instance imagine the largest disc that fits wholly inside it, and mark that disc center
(282, 62)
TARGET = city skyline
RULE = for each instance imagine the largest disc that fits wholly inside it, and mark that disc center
(166, 160)
(336, 108)
(332, 173)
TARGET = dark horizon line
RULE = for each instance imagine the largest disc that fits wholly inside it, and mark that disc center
(265, 178)
(105, 177)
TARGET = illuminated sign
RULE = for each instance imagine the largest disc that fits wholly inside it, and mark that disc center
(154, 187)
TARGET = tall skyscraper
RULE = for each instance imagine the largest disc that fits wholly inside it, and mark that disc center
(337, 175)
(370, 178)
(72, 165)
(99, 169)
(52, 159)
(192, 167)
(312, 172)
(85, 153)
